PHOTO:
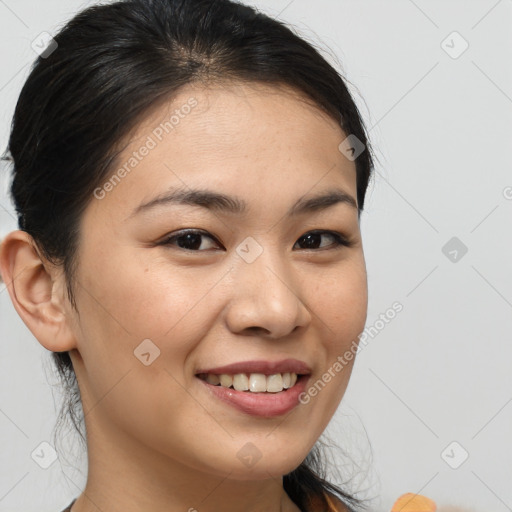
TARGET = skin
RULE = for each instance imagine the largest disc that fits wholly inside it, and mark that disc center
(156, 439)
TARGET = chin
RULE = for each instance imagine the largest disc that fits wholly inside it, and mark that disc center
(260, 469)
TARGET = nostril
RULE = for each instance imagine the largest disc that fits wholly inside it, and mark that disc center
(258, 330)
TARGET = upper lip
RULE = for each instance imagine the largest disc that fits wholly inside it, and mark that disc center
(260, 366)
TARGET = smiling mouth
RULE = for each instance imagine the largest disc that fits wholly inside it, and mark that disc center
(253, 382)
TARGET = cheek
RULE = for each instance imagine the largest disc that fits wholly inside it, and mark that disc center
(340, 300)
(125, 312)
(141, 298)
(125, 317)
(340, 303)
(156, 317)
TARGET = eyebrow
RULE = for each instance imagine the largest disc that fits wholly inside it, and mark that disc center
(216, 201)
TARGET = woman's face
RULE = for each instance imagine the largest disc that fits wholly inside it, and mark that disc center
(253, 287)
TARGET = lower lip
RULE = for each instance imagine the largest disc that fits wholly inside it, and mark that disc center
(266, 405)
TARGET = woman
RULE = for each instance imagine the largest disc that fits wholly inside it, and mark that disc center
(188, 178)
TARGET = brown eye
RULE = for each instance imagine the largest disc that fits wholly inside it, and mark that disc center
(190, 240)
(194, 240)
(313, 239)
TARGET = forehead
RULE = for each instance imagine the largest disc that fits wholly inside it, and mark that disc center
(244, 138)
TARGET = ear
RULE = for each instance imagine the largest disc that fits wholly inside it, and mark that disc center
(37, 291)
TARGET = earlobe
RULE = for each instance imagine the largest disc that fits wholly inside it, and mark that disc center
(36, 290)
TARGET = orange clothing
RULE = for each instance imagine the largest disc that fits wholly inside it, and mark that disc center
(414, 503)
(408, 502)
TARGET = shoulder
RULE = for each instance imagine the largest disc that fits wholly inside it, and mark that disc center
(68, 508)
(333, 502)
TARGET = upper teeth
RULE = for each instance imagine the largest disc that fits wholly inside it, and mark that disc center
(255, 382)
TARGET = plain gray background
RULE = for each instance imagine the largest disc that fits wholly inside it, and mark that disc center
(434, 384)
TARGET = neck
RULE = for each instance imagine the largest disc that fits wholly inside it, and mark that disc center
(125, 476)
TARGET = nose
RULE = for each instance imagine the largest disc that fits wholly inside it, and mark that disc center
(267, 299)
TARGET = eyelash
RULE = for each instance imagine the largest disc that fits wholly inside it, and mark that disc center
(340, 240)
